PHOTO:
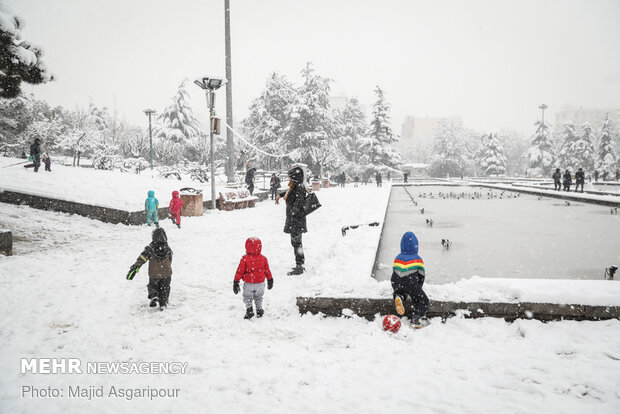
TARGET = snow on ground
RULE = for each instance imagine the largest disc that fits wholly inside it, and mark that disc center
(114, 189)
(66, 296)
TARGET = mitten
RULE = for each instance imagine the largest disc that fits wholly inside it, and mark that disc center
(236, 288)
(132, 272)
(269, 283)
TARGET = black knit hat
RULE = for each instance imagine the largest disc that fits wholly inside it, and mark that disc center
(296, 175)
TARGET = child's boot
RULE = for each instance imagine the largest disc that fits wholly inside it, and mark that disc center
(154, 302)
(259, 313)
(399, 305)
(157, 224)
(249, 313)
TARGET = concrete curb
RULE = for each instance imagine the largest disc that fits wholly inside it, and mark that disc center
(368, 308)
(560, 195)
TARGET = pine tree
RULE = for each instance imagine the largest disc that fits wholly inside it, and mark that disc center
(352, 129)
(607, 159)
(493, 160)
(20, 61)
(376, 148)
(540, 153)
(585, 153)
(311, 127)
(449, 154)
(265, 125)
(568, 157)
(176, 126)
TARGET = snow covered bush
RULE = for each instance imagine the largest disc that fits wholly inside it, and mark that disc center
(541, 154)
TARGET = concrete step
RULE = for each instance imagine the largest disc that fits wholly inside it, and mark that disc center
(368, 308)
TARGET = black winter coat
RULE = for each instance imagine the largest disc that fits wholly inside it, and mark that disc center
(580, 177)
(35, 151)
(295, 217)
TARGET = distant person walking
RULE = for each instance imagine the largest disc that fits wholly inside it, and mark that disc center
(595, 175)
(567, 180)
(378, 179)
(274, 185)
(605, 174)
(405, 177)
(249, 179)
(48, 162)
(579, 179)
(557, 175)
(35, 155)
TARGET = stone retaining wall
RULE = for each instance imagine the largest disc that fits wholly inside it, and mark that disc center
(368, 308)
(6, 242)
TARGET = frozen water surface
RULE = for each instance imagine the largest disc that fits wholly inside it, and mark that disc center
(517, 237)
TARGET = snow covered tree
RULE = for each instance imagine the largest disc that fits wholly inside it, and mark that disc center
(264, 127)
(606, 159)
(20, 61)
(353, 128)
(568, 158)
(175, 127)
(493, 160)
(540, 154)
(376, 151)
(516, 145)
(584, 148)
(311, 126)
(449, 154)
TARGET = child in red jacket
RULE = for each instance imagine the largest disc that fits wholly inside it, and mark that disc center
(253, 269)
(175, 208)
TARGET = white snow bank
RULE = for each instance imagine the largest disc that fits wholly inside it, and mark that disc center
(113, 189)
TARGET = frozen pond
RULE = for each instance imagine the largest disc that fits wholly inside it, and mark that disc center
(517, 237)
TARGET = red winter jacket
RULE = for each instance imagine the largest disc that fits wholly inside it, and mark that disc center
(253, 267)
(176, 203)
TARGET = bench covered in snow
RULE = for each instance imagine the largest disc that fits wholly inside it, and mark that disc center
(233, 199)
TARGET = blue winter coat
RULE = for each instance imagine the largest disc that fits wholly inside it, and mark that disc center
(151, 203)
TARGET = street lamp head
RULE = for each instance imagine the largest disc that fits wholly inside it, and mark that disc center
(149, 111)
(543, 107)
(211, 83)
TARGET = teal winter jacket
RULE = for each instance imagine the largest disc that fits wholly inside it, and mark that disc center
(151, 203)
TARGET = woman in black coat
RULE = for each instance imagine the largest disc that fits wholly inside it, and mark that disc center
(295, 224)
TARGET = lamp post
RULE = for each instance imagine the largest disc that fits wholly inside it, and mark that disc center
(210, 84)
(150, 112)
(543, 107)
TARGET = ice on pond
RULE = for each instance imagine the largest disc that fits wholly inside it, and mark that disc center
(495, 235)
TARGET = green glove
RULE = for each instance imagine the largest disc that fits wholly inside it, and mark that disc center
(132, 272)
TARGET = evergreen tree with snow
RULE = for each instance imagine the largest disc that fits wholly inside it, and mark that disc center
(176, 126)
(353, 128)
(265, 125)
(20, 61)
(493, 160)
(449, 154)
(376, 149)
(541, 154)
(584, 148)
(310, 131)
(606, 158)
(568, 157)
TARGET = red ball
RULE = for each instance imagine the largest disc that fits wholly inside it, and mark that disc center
(391, 323)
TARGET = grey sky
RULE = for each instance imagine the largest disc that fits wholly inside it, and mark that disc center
(490, 61)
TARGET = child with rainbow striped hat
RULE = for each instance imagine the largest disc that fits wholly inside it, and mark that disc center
(407, 281)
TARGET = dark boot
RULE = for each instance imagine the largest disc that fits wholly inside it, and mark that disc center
(297, 270)
(157, 224)
(259, 313)
(154, 302)
(249, 313)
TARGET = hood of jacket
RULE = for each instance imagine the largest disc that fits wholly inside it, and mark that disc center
(408, 261)
(296, 175)
(151, 193)
(253, 246)
(175, 194)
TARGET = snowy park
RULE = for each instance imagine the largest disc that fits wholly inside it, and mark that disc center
(313, 207)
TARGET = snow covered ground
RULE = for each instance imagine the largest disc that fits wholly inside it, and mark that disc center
(65, 295)
(114, 189)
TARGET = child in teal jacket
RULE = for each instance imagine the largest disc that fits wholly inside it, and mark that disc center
(151, 204)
